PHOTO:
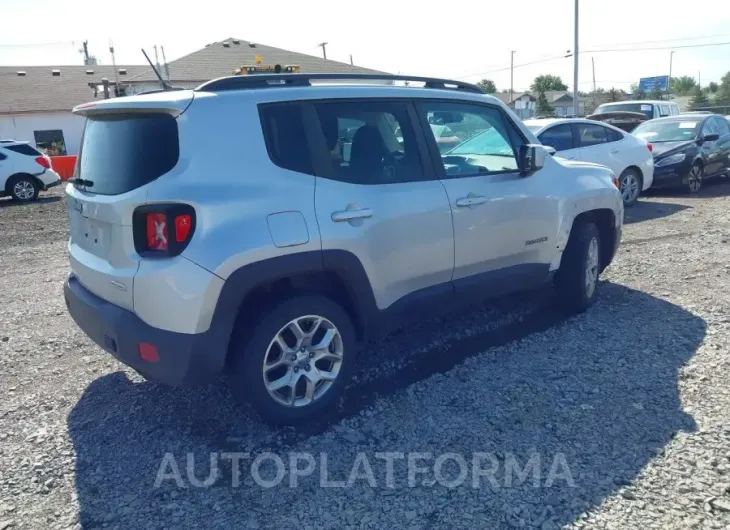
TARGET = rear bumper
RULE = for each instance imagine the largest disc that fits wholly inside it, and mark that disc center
(184, 360)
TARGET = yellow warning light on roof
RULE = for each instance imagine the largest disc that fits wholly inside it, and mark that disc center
(258, 59)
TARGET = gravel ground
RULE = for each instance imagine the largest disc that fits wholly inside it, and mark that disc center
(617, 418)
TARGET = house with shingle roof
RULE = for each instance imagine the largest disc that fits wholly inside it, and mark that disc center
(36, 101)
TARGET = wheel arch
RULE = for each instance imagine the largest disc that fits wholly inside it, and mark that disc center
(252, 289)
(22, 174)
(605, 221)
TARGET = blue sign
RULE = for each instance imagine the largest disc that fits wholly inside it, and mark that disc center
(648, 84)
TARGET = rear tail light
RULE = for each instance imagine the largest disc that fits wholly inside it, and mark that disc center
(650, 147)
(163, 230)
(43, 161)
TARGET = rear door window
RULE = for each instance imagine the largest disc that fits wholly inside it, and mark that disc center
(590, 134)
(122, 152)
(285, 136)
(559, 137)
(24, 149)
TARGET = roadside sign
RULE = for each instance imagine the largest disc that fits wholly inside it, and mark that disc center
(647, 84)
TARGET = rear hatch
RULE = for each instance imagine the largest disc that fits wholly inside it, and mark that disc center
(127, 144)
(624, 120)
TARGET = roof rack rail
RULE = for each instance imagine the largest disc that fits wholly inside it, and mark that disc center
(289, 80)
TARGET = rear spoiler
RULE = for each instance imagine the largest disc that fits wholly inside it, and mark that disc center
(170, 102)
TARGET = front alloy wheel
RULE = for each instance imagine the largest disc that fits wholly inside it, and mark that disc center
(591, 275)
(694, 179)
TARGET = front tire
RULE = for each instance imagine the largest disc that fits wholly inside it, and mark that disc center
(630, 186)
(23, 188)
(576, 281)
(296, 361)
(695, 178)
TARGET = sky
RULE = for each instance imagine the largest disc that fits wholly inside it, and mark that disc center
(468, 40)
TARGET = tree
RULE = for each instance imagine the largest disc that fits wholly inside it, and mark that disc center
(543, 107)
(699, 99)
(683, 86)
(487, 85)
(615, 95)
(543, 83)
(713, 87)
(723, 91)
(656, 93)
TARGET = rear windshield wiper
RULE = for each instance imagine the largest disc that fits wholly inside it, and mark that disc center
(76, 181)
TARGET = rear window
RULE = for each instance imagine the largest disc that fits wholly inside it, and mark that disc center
(24, 149)
(122, 152)
(644, 108)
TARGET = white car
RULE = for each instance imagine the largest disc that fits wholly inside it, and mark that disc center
(627, 156)
(24, 171)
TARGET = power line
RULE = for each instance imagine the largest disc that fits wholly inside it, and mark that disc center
(668, 40)
(659, 47)
(518, 65)
(36, 44)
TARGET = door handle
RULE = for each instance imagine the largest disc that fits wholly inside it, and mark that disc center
(351, 215)
(614, 151)
(573, 158)
(472, 200)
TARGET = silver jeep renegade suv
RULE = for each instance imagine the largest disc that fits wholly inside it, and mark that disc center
(264, 226)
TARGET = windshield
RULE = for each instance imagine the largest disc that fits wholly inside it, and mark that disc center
(667, 131)
(644, 108)
(489, 142)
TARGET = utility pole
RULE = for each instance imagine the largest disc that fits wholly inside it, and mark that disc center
(669, 81)
(157, 59)
(351, 63)
(323, 45)
(114, 64)
(164, 60)
(593, 65)
(511, 75)
(85, 44)
(575, 64)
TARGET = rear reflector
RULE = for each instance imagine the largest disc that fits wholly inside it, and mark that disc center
(183, 224)
(43, 161)
(157, 231)
(650, 147)
(148, 352)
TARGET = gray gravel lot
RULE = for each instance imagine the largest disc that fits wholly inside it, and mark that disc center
(617, 418)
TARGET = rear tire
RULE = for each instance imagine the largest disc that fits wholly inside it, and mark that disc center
(284, 371)
(23, 188)
(576, 281)
(630, 183)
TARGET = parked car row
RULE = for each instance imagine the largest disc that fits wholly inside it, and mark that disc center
(663, 149)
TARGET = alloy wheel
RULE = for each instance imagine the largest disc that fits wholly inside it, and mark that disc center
(694, 180)
(629, 187)
(592, 267)
(303, 360)
(24, 190)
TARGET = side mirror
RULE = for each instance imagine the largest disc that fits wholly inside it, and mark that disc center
(532, 157)
(551, 150)
(710, 137)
